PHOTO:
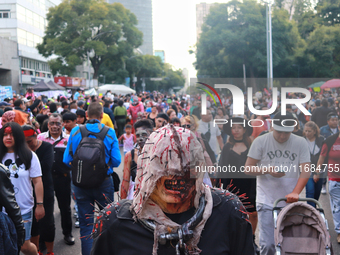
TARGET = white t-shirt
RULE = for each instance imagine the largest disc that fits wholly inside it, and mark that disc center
(21, 180)
(203, 128)
(289, 155)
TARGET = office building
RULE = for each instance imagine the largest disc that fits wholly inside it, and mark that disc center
(24, 22)
(143, 11)
(161, 54)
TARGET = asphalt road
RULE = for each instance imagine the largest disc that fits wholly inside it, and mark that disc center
(60, 248)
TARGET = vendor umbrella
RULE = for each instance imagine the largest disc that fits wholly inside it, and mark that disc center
(334, 83)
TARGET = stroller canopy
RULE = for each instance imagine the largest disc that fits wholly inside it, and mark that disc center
(301, 230)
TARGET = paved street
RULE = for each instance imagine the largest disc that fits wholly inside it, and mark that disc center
(62, 249)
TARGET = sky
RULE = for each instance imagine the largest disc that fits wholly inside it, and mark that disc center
(174, 30)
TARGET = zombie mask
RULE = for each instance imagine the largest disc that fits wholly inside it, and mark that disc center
(141, 136)
(165, 170)
(135, 101)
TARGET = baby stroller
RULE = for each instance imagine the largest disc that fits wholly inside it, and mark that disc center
(300, 229)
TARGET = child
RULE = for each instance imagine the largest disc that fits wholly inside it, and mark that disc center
(129, 139)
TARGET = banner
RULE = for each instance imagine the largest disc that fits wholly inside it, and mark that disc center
(5, 91)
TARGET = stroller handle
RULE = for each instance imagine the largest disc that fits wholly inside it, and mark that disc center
(300, 199)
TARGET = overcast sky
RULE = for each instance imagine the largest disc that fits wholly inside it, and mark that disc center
(174, 30)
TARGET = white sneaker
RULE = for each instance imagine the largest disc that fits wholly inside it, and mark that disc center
(323, 190)
(76, 223)
(75, 215)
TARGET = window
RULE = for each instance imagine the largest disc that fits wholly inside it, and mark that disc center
(4, 14)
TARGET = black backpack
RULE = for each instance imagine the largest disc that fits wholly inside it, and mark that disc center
(89, 169)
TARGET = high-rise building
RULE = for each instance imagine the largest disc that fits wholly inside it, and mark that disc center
(161, 54)
(143, 11)
(24, 21)
(202, 10)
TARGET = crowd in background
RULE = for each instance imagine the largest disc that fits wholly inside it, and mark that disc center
(51, 120)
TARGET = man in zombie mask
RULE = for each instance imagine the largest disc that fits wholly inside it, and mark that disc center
(143, 130)
(173, 212)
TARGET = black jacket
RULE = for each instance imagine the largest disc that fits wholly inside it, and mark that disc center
(226, 232)
(319, 115)
(7, 200)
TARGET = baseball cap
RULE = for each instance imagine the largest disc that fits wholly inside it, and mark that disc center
(284, 123)
(332, 115)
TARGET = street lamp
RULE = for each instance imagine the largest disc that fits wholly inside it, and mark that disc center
(269, 4)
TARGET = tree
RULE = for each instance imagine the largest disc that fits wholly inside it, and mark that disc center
(77, 27)
(235, 34)
(323, 52)
(328, 12)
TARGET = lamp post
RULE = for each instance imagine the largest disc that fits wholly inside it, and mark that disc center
(269, 43)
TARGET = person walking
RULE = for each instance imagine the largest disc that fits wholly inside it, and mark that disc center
(45, 228)
(86, 197)
(60, 172)
(24, 168)
(312, 134)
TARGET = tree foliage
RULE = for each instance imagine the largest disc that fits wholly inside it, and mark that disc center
(77, 27)
(235, 34)
(305, 39)
(145, 67)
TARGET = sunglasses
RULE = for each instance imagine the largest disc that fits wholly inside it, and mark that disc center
(186, 126)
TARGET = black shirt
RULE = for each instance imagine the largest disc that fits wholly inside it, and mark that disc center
(45, 155)
(226, 232)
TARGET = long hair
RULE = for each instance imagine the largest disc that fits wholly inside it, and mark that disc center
(21, 149)
(245, 139)
(314, 127)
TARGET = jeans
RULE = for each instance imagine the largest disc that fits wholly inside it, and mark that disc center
(313, 190)
(27, 219)
(266, 228)
(86, 197)
(334, 194)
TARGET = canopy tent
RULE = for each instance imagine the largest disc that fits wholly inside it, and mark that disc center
(91, 92)
(334, 83)
(42, 86)
(55, 86)
(116, 88)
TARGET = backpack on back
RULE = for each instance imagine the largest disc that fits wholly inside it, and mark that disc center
(89, 169)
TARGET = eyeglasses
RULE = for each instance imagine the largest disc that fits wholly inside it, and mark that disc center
(54, 124)
(186, 126)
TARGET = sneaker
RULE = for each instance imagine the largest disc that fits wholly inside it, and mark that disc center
(75, 215)
(323, 190)
(338, 238)
(76, 223)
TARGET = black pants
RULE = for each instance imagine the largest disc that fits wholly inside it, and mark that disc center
(45, 227)
(62, 189)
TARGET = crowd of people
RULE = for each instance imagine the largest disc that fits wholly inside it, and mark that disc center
(68, 148)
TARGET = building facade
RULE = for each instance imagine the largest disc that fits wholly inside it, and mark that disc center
(24, 22)
(161, 54)
(143, 11)
(202, 10)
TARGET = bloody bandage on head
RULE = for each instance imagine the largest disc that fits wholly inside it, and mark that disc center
(29, 132)
(8, 130)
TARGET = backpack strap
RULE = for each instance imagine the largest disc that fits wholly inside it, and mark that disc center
(101, 135)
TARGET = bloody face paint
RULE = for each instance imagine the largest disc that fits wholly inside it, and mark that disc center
(8, 130)
(174, 194)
